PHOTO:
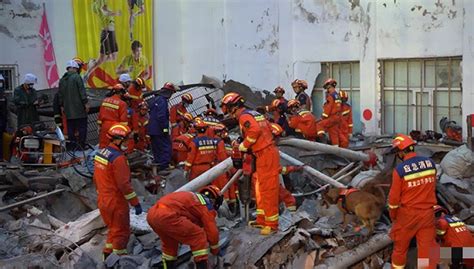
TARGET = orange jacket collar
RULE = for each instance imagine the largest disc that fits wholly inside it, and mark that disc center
(409, 156)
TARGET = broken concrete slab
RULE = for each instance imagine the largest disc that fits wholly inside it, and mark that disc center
(32, 260)
(80, 229)
(66, 207)
(138, 223)
(76, 182)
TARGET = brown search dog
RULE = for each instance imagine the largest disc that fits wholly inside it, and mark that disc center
(366, 206)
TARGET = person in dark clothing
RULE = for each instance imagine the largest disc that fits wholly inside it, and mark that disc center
(73, 101)
(26, 101)
(158, 127)
(3, 113)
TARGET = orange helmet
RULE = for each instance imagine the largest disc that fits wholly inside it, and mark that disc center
(140, 82)
(199, 123)
(170, 86)
(118, 88)
(438, 208)
(276, 129)
(188, 117)
(279, 89)
(231, 99)
(187, 97)
(329, 82)
(213, 192)
(293, 103)
(300, 83)
(118, 131)
(276, 103)
(344, 95)
(402, 142)
(79, 61)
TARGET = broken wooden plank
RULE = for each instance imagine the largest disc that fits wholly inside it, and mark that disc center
(31, 199)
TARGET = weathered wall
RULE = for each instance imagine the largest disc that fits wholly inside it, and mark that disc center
(20, 41)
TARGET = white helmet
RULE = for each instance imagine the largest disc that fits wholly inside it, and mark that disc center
(30, 79)
(72, 63)
(125, 78)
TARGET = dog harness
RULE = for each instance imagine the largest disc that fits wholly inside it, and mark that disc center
(342, 198)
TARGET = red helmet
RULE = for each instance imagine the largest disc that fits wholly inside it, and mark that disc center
(170, 86)
(300, 83)
(188, 117)
(330, 82)
(344, 95)
(187, 97)
(210, 112)
(279, 89)
(438, 208)
(293, 103)
(276, 103)
(402, 142)
(118, 131)
(199, 123)
(213, 192)
(276, 129)
(118, 88)
(231, 99)
(140, 82)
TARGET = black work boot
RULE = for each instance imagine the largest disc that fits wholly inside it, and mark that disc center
(201, 264)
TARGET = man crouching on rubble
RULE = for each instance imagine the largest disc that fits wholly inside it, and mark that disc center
(410, 201)
(114, 190)
(187, 218)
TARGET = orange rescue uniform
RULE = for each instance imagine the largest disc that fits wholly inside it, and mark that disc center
(305, 123)
(114, 193)
(411, 200)
(187, 218)
(453, 232)
(204, 154)
(258, 140)
(112, 111)
(143, 138)
(346, 125)
(181, 147)
(211, 123)
(136, 96)
(176, 116)
(331, 116)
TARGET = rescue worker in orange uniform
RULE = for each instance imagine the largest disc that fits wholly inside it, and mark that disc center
(135, 90)
(410, 201)
(278, 107)
(451, 231)
(114, 189)
(345, 128)
(210, 118)
(331, 116)
(299, 86)
(113, 110)
(182, 144)
(258, 141)
(177, 112)
(205, 152)
(303, 121)
(187, 218)
(142, 140)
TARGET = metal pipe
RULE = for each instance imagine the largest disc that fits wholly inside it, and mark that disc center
(351, 172)
(310, 145)
(312, 171)
(31, 199)
(343, 170)
(207, 177)
(235, 177)
(350, 257)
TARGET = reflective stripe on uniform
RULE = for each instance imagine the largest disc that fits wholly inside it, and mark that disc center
(134, 97)
(320, 132)
(426, 173)
(398, 266)
(120, 251)
(201, 199)
(284, 170)
(109, 245)
(200, 252)
(291, 208)
(456, 224)
(215, 246)
(272, 218)
(350, 125)
(260, 212)
(124, 123)
(207, 147)
(99, 122)
(392, 206)
(110, 105)
(325, 115)
(101, 160)
(440, 232)
(168, 257)
(345, 112)
(130, 195)
(259, 118)
(187, 164)
(251, 140)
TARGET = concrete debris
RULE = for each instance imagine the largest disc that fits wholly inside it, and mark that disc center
(138, 223)
(459, 163)
(81, 229)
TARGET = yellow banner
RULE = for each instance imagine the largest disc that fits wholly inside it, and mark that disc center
(114, 37)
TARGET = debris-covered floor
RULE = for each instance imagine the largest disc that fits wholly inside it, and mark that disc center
(63, 229)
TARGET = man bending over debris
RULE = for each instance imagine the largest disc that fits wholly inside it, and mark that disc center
(258, 140)
(114, 190)
(187, 218)
(411, 200)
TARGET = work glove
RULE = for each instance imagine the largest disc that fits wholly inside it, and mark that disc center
(242, 147)
(393, 214)
(138, 209)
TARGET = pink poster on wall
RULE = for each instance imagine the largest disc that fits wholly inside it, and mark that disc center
(49, 58)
